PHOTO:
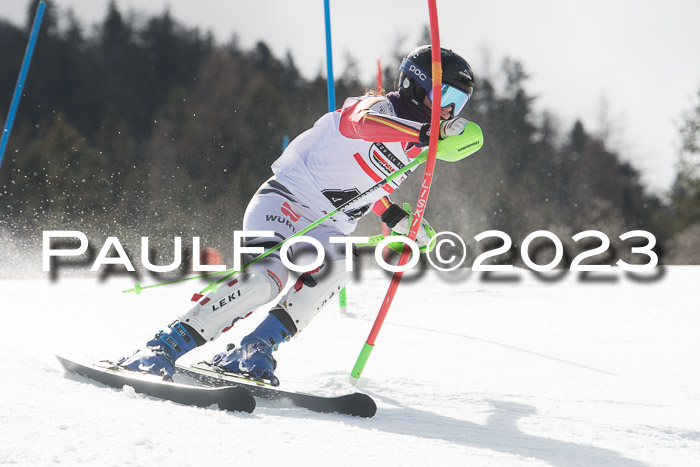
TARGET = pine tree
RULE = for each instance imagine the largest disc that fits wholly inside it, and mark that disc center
(685, 196)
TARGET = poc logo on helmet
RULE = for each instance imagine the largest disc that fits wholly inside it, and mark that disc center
(417, 72)
(466, 75)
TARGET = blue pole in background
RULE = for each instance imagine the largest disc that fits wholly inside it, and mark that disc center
(329, 57)
(342, 296)
(21, 79)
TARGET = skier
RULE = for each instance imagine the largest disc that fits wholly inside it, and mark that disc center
(345, 153)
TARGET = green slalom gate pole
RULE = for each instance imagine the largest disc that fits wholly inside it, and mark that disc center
(212, 286)
(422, 199)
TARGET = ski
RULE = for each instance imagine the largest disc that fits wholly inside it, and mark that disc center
(356, 404)
(236, 398)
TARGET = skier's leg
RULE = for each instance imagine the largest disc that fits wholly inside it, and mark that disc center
(159, 355)
(217, 311)
(293, 313)
(213, 314)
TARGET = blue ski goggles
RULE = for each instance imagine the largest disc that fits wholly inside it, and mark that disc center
(450, 95)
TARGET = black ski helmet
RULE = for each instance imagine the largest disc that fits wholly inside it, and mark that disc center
(415, 77)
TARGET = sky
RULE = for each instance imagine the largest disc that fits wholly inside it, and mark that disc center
(627, 67)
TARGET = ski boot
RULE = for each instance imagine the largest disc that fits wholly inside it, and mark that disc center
(159, 356)
(253, 358)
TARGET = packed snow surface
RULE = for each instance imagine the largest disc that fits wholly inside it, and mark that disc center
(466, 371)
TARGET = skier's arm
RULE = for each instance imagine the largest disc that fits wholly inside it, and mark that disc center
(372, 119)
(381, 206)
(399, 219)
(390, 213)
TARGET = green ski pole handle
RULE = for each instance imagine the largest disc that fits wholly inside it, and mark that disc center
(456, 148)
(373, 241)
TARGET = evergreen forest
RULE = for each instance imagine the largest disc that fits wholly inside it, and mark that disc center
(145, 127)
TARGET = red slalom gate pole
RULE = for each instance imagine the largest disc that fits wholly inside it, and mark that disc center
(424, 192)
(380, 88)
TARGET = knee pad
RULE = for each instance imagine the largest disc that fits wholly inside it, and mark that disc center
(313, 290)
(217, 311)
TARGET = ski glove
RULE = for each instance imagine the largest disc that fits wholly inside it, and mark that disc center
(452, 127)
(399, 220)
